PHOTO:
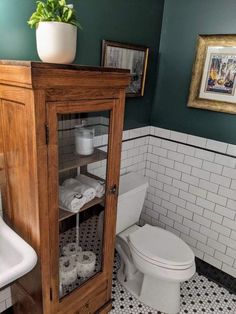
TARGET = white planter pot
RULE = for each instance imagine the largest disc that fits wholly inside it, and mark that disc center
(56, 42)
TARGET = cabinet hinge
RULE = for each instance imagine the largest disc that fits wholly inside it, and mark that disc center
(46, 134)
(50, 294)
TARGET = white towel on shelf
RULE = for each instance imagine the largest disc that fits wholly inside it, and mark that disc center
(88, 192)
(98, 185)
(71, 200)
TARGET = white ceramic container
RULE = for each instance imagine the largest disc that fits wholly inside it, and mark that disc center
(84, 141)
(56, 42)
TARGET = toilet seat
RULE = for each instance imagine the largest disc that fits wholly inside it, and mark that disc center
(161, 248)
(159, 264)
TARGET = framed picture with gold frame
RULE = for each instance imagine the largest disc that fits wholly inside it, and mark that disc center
(126, 56)
(213, 85)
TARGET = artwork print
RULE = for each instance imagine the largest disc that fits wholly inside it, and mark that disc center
(127, 59)
(221, 74)
(131, 57)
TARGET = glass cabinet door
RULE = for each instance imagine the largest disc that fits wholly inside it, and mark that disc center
(82, 157)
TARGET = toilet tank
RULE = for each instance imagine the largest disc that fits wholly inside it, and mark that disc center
(132, 192)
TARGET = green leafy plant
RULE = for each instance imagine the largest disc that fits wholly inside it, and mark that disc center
(53, 11)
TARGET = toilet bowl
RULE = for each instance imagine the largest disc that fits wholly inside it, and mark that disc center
(154, 261)
(153, 264)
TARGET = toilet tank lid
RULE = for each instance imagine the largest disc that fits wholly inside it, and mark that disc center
(161, 246)
(131, 181)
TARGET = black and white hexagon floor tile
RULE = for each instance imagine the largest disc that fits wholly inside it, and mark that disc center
(198, 295)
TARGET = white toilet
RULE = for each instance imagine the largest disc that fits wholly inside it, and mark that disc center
(153, 261)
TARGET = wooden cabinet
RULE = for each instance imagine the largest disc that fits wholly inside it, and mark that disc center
(41, 106)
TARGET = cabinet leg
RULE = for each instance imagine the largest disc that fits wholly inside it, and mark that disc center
(106, 308)
(23, 302)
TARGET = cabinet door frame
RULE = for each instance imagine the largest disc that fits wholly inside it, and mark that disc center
(79, 295)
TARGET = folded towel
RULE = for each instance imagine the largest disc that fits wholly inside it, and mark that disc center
(74, 185)
(98, 185)
(71, 200)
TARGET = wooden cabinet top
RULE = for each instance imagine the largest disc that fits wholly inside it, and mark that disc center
(39, 75)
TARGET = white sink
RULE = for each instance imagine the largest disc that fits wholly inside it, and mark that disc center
(16, 256)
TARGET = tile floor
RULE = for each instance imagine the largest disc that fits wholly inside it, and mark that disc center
(198, 295)
(89, 241)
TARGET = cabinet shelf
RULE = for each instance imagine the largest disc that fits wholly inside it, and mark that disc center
(72, 160)
(64, 214)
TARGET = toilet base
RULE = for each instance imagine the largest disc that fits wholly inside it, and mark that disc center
(132, 285)
(161, 295)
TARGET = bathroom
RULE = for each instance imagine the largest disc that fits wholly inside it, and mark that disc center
(187, 154)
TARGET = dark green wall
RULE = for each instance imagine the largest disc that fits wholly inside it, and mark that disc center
(131, 21)
(183, 20)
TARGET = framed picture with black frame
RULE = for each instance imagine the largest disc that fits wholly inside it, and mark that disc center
(127, 56)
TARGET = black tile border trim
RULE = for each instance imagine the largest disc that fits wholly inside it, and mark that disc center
(8, 311)
(216, 275)
(177, 142)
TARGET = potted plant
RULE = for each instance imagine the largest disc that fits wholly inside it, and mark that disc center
(56, 31)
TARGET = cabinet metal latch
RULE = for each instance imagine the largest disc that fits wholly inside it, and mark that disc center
(50, 294)
(47, 133)
(113, 189)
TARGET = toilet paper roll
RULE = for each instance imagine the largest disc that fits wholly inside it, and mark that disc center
(71, 249)
(67, 269)
(85, 263)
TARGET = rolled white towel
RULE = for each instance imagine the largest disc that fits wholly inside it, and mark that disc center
(86, 261)
(98, 185)
(71, 249)
(71, 200)
(67, 269)
(88, 192)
